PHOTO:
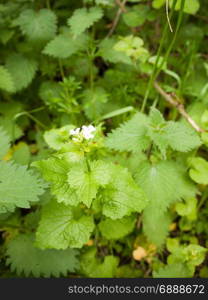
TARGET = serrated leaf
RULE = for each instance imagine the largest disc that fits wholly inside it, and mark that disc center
(117, 229)
(177, 270)
(64, 45)
(49, 90)
(22, 70)
(55, 170)
(176, 135)
(86, 182)
(122, 196)
(6, 82)
(4, 143)
(37, 25)
(107, 52)
(130, 136)
(24, 257)
(152, 219)
(159, 181)
(94, 102)
(56, 138)
(63, 226)
(84, 18)
(92, 267)
(18, 186)
(181, 138)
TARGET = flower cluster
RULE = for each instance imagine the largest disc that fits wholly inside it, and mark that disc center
(86, 132)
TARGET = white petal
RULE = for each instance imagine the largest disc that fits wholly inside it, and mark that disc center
(91, 128)
(75, 131)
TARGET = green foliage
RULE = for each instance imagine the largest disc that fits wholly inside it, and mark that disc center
(117, 229)
(37, 25)
(22, 70)
(62, 226)
(6, 82)
(82, 19)
(199, 170)
(92, 267)
(64, 45)
(19, 188)
(176, 270)
(190, 7)
(36, 262)
(4, 142)
(130, 136)
(140, 131)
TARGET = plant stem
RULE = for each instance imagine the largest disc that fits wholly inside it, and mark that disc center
(162, 41)
(61, 69)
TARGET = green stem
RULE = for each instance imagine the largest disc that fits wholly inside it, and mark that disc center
(162, 41)
(88, 165)
(61, 69)
(179, 21)
(48, 4)
(25, 113)
(203, 199)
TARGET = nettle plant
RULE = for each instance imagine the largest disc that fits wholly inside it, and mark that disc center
(93, 195)
(86, 187)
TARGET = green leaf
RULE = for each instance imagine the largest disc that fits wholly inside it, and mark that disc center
(117, 229)
(159, 181)
(55, 170)
(181, 138)
(64, 45)
(92, 267)
(132, 46)
(153, 217)
(109, 54)
(84, 18)
(156, 118)
(63, 226)
(190, 6)
(137, 16)
(94, 102)
(188, 208)
(56, 138)
(130, 136)
(8, 112)
(194, 254)
(24, 257)
(199, 170)
(22, 70)
(122, 196)
(158, 3)
(50, 90)
(18, 186)
(177, 270)
(86, 182)
(4, 143)
(21, 154)
(37, 25)
(176, 135)
(6, 82)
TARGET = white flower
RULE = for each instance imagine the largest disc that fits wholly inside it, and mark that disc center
(74, 131)
(87, 132)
